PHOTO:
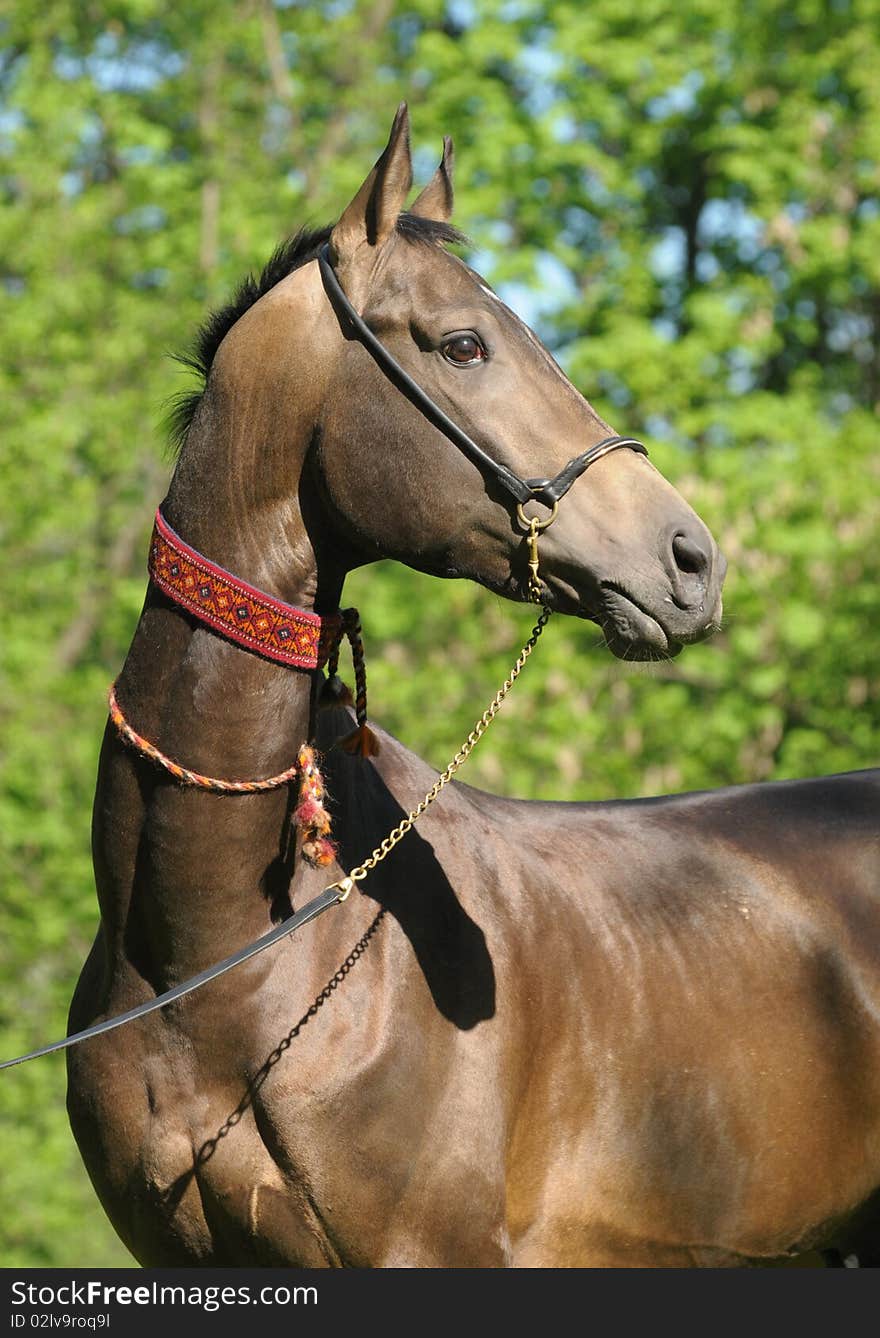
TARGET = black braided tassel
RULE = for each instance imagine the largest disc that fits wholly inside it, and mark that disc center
(362, 740)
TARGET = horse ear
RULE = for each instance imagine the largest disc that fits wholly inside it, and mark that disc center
(436, 200)
(372, 215)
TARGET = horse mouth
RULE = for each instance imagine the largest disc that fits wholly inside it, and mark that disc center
(630, 632)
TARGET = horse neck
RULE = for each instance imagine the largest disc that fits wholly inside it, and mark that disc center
(184, 874)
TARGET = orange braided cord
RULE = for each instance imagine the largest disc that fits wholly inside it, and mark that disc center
(183, 774)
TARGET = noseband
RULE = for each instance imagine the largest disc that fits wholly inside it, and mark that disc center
(547, 491)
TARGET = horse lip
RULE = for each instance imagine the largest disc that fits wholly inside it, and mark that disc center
(631, 632)
(644, 638)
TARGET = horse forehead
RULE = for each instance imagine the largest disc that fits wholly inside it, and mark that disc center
(433, 279)
(474, 283)
(428, 276)
(515, 323)
(443, 280)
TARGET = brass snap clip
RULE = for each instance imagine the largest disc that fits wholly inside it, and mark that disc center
(345, 885)
(533, 527)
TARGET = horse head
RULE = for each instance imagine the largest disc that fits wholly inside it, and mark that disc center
(624, 549)
(302, 426)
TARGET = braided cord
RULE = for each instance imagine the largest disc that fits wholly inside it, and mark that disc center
(183, 774)
(354, 632)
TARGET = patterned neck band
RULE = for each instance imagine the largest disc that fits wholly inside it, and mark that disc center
(263, 624)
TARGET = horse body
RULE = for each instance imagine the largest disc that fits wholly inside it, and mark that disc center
(669, 1057)
(610, 1034)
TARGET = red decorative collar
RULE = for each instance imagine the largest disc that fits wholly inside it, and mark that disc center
(263, 624)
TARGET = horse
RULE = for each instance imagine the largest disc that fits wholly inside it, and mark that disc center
(616, 1034)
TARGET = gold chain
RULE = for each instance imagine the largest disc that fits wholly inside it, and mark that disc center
(381, 851)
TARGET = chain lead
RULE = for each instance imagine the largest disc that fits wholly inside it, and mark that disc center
(384, 849)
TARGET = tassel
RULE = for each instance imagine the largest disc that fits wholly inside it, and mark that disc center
(310, 815)
(308, 811)
(335, 693)
(362, 742)
(319, 852)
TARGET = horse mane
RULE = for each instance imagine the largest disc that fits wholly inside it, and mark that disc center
(291, 255)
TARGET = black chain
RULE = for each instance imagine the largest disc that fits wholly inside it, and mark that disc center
(209, 1147)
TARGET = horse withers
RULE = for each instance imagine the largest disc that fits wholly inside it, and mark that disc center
(542, 1034)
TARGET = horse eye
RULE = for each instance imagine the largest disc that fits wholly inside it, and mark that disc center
(464, 349)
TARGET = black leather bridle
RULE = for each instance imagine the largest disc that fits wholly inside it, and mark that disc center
(548, 491)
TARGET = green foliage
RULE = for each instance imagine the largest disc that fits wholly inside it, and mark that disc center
(685, 199)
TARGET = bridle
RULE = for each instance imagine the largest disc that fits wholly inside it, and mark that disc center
(549, 492)
(180, 586)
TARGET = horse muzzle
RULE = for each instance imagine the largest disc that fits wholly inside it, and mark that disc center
(645, 625)
(651, 606)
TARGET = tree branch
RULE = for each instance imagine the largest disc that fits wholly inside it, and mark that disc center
(346, 78)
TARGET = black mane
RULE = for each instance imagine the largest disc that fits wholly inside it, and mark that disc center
(288, 257)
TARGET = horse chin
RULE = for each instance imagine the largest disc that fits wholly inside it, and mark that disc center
(630, 632)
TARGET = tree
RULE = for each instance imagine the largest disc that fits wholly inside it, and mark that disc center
(686, 201)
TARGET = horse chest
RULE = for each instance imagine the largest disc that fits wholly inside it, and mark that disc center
(308, 1155)
(184, 1164)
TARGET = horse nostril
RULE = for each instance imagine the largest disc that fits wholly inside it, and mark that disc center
(690, 558)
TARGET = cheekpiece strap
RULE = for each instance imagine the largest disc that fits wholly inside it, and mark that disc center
(239, 611)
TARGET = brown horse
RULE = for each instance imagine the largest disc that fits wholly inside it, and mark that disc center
(605, 1034)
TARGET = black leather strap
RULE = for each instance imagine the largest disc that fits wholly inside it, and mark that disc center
(329, 897)
(551, 490)
(547, 491)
